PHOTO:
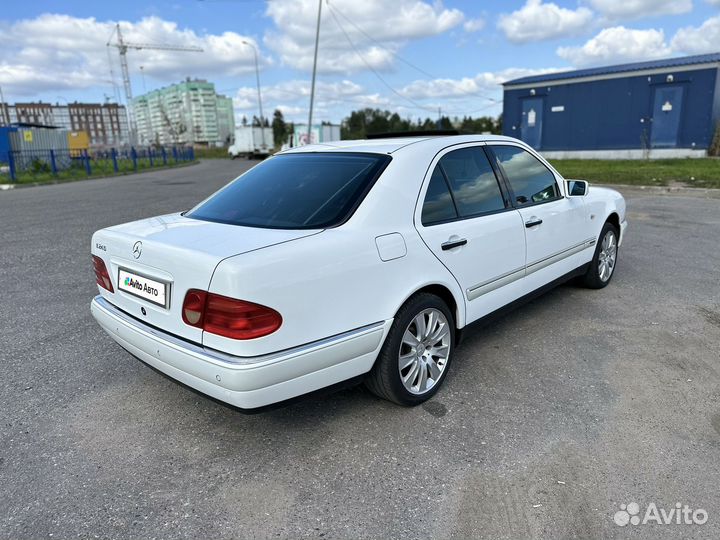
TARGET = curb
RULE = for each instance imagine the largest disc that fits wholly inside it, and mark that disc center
(709, 193)
(6, 187)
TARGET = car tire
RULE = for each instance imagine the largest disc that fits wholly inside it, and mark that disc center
(417, 352)
(604, 261)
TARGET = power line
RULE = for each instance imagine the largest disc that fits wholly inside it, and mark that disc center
(327, 97)
(334, 13)
(379, 44)
(404, 60)
(373, 70)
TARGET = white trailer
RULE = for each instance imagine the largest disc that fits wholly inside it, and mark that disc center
(252, 142)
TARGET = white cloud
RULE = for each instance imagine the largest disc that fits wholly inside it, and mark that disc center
(617, 45)
(477, 95)
(536, 21)
(56, 52)
(713, 2)
(300, 89)
(474, 25)
(698, 39)
(292, 98)
(389, 23)
(291, 110)
(635, 9)
(482, 86)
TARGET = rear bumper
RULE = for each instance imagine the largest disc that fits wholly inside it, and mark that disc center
(246, 382)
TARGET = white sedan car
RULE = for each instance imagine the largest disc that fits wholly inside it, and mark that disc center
(348, 260)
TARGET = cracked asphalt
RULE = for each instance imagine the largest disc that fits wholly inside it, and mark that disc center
(549, 420)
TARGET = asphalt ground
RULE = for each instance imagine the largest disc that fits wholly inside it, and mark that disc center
(549, 420)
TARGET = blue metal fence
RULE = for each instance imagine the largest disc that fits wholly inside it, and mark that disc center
(44, 164)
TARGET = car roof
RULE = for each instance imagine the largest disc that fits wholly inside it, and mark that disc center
(393, 144)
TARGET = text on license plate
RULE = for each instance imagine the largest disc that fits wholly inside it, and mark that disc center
(146, 288)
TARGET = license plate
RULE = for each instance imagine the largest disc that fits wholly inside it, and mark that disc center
(143, 287)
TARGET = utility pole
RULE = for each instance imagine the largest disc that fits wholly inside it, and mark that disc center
(312, 85)
(5, 111)
(257, 78)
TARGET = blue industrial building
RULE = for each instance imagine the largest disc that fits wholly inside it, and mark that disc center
(660, 108)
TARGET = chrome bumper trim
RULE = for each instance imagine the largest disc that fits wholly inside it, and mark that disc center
(220, 358)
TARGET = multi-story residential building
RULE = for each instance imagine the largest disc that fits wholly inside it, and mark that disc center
(226, 119)
(190, 112)
(105, 123)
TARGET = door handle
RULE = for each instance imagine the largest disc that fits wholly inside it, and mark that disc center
(450, 244)
(532, 222)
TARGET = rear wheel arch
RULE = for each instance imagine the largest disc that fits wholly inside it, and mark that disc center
(446, 295)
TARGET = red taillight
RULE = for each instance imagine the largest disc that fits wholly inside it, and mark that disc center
(228, 317)
(101, 274)
(194, 307)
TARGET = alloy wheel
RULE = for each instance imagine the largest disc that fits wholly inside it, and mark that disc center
(607, 256)
(424, 351)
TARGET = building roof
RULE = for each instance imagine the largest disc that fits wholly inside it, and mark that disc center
(619, 69)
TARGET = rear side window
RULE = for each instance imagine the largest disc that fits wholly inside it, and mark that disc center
(472, 181)
(295, 191)
(531, 181)
(438, 205)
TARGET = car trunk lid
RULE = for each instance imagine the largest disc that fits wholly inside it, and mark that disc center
(176, 253)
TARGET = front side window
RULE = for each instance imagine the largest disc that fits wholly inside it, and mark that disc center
(295, 191)
(530, 180)
(472, 181)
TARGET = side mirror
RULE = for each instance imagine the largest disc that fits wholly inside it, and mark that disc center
(577, 188)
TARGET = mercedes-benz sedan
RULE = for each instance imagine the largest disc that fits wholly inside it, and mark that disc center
(356, 259)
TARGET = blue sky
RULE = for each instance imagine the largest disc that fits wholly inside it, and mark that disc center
(410, 56)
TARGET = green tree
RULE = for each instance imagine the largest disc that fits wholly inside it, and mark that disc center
(483, 124)
(370, 121)
(714, 149)
(444, 123)
(256, 122)
(279, 128)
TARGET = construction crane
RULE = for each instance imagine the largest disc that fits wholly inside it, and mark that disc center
(122, 46)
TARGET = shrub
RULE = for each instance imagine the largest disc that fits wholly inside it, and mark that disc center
(714, 149)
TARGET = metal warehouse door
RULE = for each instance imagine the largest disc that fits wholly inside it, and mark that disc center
(666, 116)
(531, 126)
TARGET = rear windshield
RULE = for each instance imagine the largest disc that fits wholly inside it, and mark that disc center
(295, 191)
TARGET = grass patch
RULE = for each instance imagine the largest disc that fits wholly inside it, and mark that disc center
(211, 153)
(215, 153)
(700, 172)
(98, 169)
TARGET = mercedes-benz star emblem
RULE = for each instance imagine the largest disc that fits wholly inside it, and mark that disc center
(137, 249)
